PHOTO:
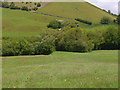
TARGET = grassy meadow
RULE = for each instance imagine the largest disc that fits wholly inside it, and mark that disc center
(98, 69)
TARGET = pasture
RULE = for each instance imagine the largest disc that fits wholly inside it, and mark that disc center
(97, 69)
(73, 10)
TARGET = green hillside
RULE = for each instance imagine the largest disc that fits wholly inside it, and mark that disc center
(17, 23)
(81, 10)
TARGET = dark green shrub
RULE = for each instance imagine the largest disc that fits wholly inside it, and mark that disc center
(55, 24)
(24, 8)
(5, 5)
(27, 48)
(105, 39)
(12, 5)
(45, 49)
(97, 37)
(29, 9)
(35, 3)
(112, 39)
(35, 8)
(46, 45)
(105, 20)
(38, 5)
(74, 40)
(26, 2)
(118, 19)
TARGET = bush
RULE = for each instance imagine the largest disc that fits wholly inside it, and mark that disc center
(26, 2)
(35, 3)
(83, 21)
(97, 37)
(12, 5)
(14, 48)
(38, 5)
(54, 24)
(105, 20)
(5, 5)
(29, 9)
(112, 39)
(105, 39)
(24, 8)
(35, 8)
(74, 40)
(44, 45)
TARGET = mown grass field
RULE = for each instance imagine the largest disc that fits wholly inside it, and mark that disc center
(81, 10)
(97, 69)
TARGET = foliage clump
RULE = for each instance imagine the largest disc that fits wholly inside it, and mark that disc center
(38, 4)
(105, 20)
(35, 8)
(24, 8)
(84, 21)
(54, 24)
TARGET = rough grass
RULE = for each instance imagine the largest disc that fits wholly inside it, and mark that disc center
(98, 69)
(81, 10)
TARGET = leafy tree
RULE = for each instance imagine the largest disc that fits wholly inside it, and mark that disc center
(118, 19)
(12, 5)
(109, 11)
(5, 5)
(55, 24)
(38, 5)
(26, 2)
(105, 20)
(24, 8)
(35, 8)
(35, 3)
(74, 40)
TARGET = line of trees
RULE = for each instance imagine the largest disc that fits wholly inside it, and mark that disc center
(13, 6)
(72, 40)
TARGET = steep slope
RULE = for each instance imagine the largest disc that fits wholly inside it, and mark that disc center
(81, 10)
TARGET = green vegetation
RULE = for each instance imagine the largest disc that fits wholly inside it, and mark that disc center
(5, 5)
(105, 20)
(35, 8)
(62, 70)
(54, 24)
(38, 5)
(27, 33)
(83, 21)
(24, 8)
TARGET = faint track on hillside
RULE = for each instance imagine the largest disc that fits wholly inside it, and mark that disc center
(53, 15)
